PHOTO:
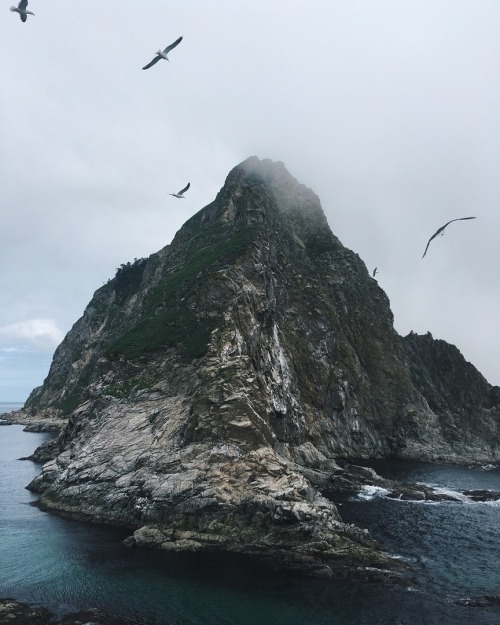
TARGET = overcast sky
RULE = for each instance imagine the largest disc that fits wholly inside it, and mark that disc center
(388, 110)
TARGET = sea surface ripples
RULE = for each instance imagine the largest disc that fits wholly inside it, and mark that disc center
(453, 549)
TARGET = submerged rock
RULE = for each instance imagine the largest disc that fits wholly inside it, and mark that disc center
(480, 602)
(15, 613)
(482, 495)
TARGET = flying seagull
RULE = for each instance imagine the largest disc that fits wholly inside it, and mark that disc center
(440, 231)
(163, 55)
(374, 272)
(180, 194)
(21, 9)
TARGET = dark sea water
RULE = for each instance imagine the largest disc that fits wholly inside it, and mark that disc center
(454, 550)
(8, 406)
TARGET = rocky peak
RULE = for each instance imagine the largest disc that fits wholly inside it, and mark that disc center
(257, 192)
(209, 389)
(272, 180)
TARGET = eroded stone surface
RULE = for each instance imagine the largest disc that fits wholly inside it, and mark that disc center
(210, 390)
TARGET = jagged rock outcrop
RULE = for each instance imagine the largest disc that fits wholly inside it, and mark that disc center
(467, 407)
(210, 388)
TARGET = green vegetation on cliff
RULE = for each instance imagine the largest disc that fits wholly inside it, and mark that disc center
(128, 278)
(168, 319)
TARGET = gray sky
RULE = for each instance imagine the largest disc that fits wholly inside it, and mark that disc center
(388, 110)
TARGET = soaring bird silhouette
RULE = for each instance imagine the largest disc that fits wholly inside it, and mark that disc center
(21, 9)
(440, 231)
(163, 55)
(180, 194)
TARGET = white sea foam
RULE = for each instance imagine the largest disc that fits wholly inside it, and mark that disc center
(493, 504)
(376, 570)
(462, 497)
(455, 494)
(483, 467)
(426, 502)
(396, 556)
(489, 467)
(368, 492)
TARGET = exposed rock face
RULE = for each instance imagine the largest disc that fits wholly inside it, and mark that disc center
(209, 388)
(466, 406)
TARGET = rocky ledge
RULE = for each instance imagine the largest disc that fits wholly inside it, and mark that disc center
(34, 422)
(15, 613)
(220, 498)
(357, 480)
(482, 495)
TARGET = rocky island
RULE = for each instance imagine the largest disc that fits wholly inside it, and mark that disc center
(211, 394)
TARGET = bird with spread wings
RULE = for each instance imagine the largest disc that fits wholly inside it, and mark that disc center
(163, 54)
(180, 194)
(22, 10)
(440, 231)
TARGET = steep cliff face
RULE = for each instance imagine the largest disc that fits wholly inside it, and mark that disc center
(210, 388)
(467, 407)
(255, 292)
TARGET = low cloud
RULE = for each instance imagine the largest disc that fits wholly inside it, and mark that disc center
(41, 334)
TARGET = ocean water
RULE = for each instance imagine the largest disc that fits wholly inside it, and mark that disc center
(454, 551)
(7, 406)
(452, 547)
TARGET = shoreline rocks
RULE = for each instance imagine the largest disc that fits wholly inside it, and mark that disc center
(35, 422)
(482, 495)
(16, 613)
(355, 478)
